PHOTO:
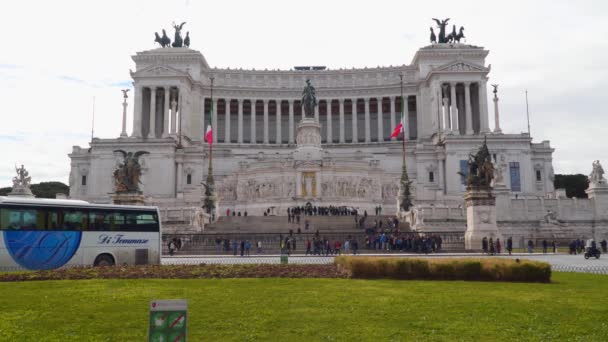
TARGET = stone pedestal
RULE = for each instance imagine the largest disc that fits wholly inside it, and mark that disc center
(598, 194)
(308, 159)
(21, 191)
(480, 205)
(128, 198)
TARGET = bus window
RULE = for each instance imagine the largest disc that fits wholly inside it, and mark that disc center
(22, 219)
(55, 219)
(99, 220)
(74, 220)
(147, 222)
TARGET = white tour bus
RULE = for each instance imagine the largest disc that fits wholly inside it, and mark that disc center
(38, 234)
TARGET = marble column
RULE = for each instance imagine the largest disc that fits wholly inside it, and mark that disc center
(180, 171)
(253, 137)
(317, 113)
(152, 132)
(380, 123)
(329, 132)
(265, 121)
(446, 109)
(368, 136)
(123, 132)
(483, 107)
(214, 121)
(497, 129)
(167, 113)
(240, 119)
(454, 109)
(137, 113)
(354, 105)
(227, 121)
(291, 123)
(341, 102)
(278, 132)
(467, 105)
(393, 125)
(174, 114)
(439, 105)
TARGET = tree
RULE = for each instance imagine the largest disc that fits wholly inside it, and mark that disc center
(43, 189)
(575, 185)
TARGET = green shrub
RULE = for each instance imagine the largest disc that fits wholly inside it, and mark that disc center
(487, 269)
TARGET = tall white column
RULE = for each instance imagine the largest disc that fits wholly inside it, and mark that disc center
(392, 99)
(368, 136)
(496, 116)
(152, 132)
(123, 132)
(180, 173)
(265, 121)
(468, 111)
(227, 122)
(329, 132)
(174, 114)
(203, 120)
(439, 105)
(278, 132)
(341, 102)
(253, 137)
(291, 123)
(380, 123)
(214, 121)
(317, 112)
(454, 109)
(240, 119)
(483, 107)
(138, 104)
(167, 113)
(406, 116)
(354, 104)
(446, 109)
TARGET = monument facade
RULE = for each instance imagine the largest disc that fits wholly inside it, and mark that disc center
(274, 148)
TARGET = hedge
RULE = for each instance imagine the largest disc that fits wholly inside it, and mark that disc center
(486, 269)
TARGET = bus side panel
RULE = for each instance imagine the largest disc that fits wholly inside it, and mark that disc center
(6, 261)
(121, 245)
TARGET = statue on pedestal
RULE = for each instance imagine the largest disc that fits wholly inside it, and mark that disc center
(597, 174)
(178, 41)
(309, 99)
(21, 183)
(480, 169)
(128, 173)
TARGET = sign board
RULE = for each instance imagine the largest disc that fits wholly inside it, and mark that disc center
(168, 320)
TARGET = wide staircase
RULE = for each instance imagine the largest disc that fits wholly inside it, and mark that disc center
(279, 224)
(270, 230)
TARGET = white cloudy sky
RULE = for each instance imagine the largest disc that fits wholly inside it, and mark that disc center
(57, 55)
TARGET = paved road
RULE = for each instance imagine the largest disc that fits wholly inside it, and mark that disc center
(559, 262)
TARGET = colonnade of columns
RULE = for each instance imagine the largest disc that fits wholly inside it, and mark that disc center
(462, 108)
(362, 120)
(156, 112)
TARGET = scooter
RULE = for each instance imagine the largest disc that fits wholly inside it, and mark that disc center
(592, 253)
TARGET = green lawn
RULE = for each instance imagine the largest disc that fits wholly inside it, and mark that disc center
(573, 307)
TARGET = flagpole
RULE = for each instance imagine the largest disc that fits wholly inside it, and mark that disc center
(211, 142)
(402, 117)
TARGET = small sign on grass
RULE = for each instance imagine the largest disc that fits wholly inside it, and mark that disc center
(168, 320)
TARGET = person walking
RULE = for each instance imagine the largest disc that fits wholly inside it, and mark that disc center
(259, 247)
(247, 248)
(509, 245)
(308, 247)
(498, 246)
(242, 247)
(530, 246)
(235, 247)
(544, 246)
(554, 246)
(484, 245)
(172, 246)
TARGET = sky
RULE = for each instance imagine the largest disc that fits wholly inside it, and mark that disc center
(63, 60)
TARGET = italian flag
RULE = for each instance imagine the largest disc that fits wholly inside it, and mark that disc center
(209, 132)
(399, 129)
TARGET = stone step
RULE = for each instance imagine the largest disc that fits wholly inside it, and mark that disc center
(279, 224)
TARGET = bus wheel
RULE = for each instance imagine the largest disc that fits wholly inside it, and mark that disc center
(104, 260)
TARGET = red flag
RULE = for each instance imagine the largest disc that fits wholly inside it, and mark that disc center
(397, 130)
(209, 135)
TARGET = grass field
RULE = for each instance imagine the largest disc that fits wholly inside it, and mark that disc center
(573, 307)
